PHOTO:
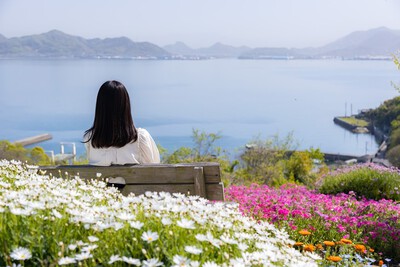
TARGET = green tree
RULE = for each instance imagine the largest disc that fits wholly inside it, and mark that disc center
(275, 162)
(264, 161)
(38, 157)
(12, 151)
(204, 150)
(300, 166)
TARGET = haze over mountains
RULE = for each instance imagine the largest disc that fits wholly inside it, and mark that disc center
(379, 43)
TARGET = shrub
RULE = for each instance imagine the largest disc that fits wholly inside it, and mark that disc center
(275, 162)
(393, 155)
(47, 221)
(263, 161)
(368, 180)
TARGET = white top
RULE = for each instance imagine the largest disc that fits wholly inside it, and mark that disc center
(144, 150)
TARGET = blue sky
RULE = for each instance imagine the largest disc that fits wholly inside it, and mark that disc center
(200, 23)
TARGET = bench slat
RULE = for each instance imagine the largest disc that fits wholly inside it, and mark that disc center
(138, 175)
(201, 179)
(199, 184)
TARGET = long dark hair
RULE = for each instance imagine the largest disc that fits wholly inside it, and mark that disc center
(113, 123)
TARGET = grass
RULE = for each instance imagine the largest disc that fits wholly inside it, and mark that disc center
(354, 121)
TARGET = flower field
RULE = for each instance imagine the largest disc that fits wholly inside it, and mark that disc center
(341, 228)
(47, 221)
(51, 222)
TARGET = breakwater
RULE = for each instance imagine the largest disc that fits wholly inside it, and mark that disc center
(380, 137)
(351, 127)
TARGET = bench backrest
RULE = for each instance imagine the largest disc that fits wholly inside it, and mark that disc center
(202, 179)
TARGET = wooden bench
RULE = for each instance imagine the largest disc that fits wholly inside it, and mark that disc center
(202, 179)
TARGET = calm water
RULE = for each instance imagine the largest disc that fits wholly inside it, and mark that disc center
(241, 99)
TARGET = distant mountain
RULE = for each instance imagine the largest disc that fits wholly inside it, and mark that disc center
(180, 48)
(376, 42)
(56, 44)
(221, 50)
(2, 38)
(217, 50)
(379, 43)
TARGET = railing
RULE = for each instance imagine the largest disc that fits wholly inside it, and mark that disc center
(63, 156)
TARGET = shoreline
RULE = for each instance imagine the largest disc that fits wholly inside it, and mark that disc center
(357, 128)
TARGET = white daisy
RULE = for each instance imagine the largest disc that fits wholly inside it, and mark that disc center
(89, 248)
(21, 254)
(210, 264)
(117, 226)
(83, 256)
(227, 239)
(149, 236)
(152, 263)
(126, 216)
(93, 238)
(166, 221)
(72, 247)
(136, 224)
(193, 250)
(114, 258)
(131, 261)
(201, 237)
(180, 261)
(185, 223)
(66, 261)
(56, 214)
(243, 246)
(237, 262)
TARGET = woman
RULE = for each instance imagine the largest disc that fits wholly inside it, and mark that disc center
(113, 138)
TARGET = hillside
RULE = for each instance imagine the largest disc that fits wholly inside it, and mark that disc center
(376, 42)
(56, 44)
(379, 43)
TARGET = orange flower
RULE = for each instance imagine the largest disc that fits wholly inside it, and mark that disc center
(319, 246)
(371, 250)
(297, 244)
(304, 232)
(340, 243)
(346, 241)
(334, 258)
(360, 248)
(380, 263)
(309, 248)
(329, 243)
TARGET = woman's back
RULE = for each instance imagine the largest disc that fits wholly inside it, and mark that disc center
(144, 150)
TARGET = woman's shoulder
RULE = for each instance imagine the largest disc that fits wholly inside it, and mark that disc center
(142, 131)
(143, 135)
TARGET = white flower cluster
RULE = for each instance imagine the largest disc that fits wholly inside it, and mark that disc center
(164, 229)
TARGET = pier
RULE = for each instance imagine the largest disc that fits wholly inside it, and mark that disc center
(330, 157)
(34, 139)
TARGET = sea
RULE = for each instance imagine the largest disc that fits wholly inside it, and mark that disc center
(241, 100)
